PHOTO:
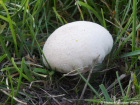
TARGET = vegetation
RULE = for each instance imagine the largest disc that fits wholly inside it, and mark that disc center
(26, 24)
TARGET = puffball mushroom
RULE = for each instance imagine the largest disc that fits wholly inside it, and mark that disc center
(77, 45)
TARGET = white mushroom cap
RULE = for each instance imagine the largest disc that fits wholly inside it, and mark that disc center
(76, 45)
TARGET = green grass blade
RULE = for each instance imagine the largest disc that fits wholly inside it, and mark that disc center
(137, 52)
(134, 28)
(103, 18)
(2, 27)
(19, 69)
(105, 93)
(121, 87)
(2, 57)
(128, 89)
(3, 44)
(89, 85)
(94, 5)
(58, 16)
(116, 13)
(35, 8)
(90, 8)
(27, 72)
(78, 6)
(54, 3)
(19, 9)
(37, 13)
(24, 17)
(47, 100)
(43, 71)
(126, 12)
(6, 19)
(12, 88)
(6, 68)
(11, 27)
(126, 26)
(20, 77)
(5, 48)
(41, 75)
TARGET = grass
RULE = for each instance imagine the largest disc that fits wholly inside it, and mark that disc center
(26, 24)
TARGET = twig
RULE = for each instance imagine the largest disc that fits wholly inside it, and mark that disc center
(90, 72)
(52, 96)
(13, 97)
(115, 82)
(86, 69)
(36, 81)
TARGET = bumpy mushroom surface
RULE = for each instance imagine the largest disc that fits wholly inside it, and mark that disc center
(76, 45)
